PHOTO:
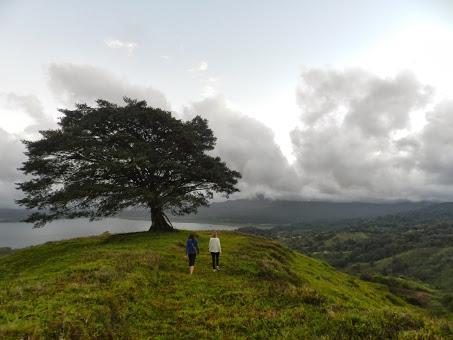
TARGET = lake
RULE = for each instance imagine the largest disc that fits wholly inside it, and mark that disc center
(19, 235)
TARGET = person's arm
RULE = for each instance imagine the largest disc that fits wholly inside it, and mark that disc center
(220, 247)
(196, 247)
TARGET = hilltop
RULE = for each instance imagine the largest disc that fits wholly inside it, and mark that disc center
(136, 286)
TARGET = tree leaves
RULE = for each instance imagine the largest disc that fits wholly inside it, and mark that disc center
(104, 159)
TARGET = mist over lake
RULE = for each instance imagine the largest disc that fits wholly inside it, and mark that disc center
(19, 235)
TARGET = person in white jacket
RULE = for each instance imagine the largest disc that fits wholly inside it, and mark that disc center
(215, 249)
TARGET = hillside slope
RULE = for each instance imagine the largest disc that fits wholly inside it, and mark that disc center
(432, 265)
(391, 246)
(136, 286)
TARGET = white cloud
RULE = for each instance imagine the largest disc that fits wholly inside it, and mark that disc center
(201, 67)
(248, 146)
(358, 140)
(208, 91)
(23, 114)
(118, 44)
(72, 83)
(12, 151)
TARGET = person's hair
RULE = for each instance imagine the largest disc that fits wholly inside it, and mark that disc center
(214, 234)
(191, 236)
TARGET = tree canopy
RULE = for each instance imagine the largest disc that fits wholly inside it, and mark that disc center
(104, 159)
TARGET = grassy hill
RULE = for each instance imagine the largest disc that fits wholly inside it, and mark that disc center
(432, 265)
(136, 286)
(398, 246)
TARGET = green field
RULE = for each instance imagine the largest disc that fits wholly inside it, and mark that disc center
(136, 286)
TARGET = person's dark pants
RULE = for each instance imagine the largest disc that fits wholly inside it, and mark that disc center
(215, 260)
(192, 259)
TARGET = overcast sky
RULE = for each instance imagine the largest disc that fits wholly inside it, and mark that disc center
(337, 100)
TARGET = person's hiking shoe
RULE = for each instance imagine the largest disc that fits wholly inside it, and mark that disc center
(218, 268)
(214, 270)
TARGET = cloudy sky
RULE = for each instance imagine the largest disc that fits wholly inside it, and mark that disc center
(337, 100)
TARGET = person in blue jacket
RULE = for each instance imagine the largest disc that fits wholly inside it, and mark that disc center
(191, 251)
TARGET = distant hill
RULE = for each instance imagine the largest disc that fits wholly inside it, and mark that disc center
(416, 245)
(136, 286)
(426, 214)
(12, 215)
(264, 211)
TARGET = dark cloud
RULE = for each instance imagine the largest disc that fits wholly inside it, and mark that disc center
(248, 146)
(384, 105)
(358, 142)
(436, 151)
(72, 83)
(377, 106)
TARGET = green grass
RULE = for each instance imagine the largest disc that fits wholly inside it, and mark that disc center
(433, 265)
(136, 286)
(436, 302)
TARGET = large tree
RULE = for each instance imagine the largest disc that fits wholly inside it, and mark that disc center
(104, 159)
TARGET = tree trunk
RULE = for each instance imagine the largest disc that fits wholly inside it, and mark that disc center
(159, 221)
